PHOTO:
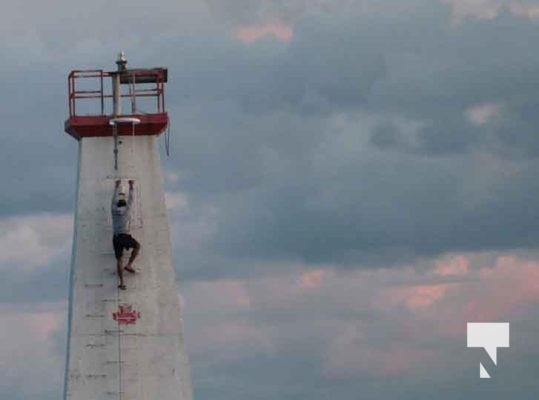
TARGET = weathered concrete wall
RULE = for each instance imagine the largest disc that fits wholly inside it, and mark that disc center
(137, 353)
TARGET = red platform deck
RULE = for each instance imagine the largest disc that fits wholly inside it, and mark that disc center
(98, 125)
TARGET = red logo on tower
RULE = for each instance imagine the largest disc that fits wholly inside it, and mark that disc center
(126, 315)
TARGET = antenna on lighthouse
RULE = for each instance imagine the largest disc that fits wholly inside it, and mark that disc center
(116, 90)
(122, 61)
(117, 106)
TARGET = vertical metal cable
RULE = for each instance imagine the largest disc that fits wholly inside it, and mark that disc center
(119, 348)
(115, 133)
(167, 140)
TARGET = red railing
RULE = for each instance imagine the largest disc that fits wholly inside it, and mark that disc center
(130, 78)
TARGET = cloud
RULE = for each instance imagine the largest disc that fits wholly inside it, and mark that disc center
(33, 241)
(480, 114)
(416, 297)
(31, 367)
(457, 265)
(348, 356)
(176, 200)
(228, 336)
(352, 145)
(246, 12)
(252, 33)
(489, 9)
(73, 32)
(380, 330)
(312, 279)
(34, 260)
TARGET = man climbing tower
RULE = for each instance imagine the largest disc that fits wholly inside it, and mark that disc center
(121, 218)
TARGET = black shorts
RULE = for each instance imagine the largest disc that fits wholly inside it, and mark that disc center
(123, 241)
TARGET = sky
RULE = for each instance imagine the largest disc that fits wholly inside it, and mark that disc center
(350, 182)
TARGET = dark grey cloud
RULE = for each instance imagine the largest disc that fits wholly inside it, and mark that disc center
(353, 142)
(244, 12)
(38, 163)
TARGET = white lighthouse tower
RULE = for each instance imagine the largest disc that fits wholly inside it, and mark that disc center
(122, 345)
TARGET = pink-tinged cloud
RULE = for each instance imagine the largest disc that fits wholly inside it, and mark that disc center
(453, 294)
(229, 294)
(28, 349)
(457, 265)
(416, 313)
(251, 33)
(312, 279)
(44, 325)
(509, 288)
(497, 293)
(412, 297)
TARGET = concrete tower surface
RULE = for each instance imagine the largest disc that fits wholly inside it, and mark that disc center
(122, 345)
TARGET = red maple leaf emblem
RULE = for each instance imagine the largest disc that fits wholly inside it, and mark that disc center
(126, 315)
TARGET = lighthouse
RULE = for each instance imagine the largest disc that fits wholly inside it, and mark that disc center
(122, 344)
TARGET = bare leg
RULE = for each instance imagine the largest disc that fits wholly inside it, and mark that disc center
(120, 271)
(134, 254)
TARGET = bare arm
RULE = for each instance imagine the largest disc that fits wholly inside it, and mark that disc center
(131, 194)
(115, 196)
